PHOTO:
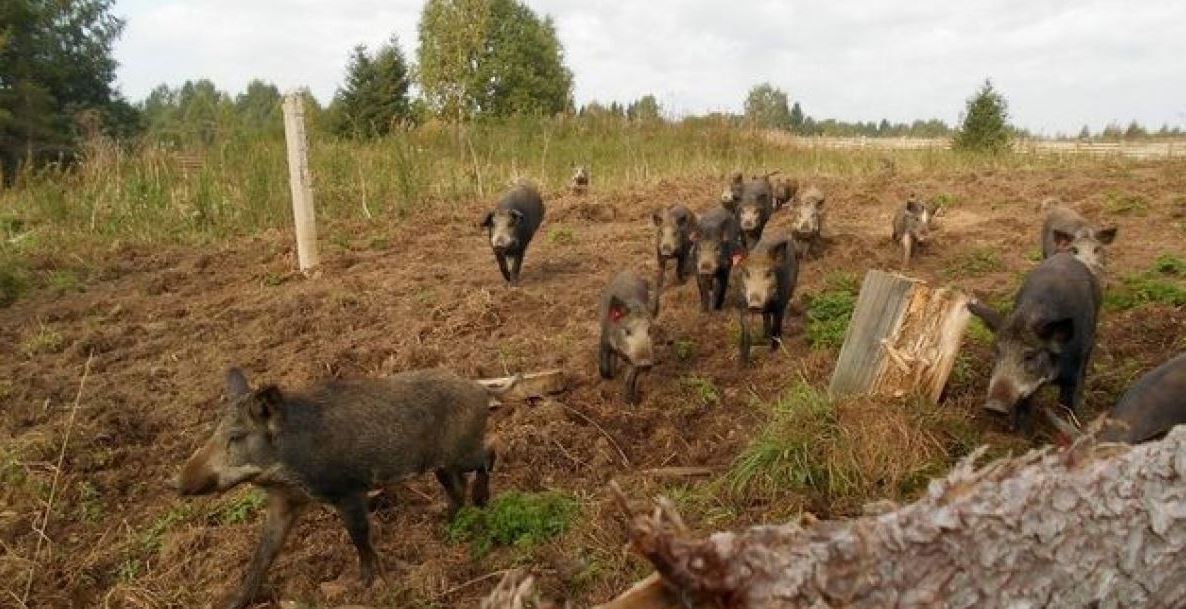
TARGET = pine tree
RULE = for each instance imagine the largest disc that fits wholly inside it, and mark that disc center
(796, 118)
(374, 98)
(985, 126)
(1085, 133)
(644, 110)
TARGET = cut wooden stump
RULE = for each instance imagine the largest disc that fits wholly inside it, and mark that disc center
(903, 338)
(532, 385)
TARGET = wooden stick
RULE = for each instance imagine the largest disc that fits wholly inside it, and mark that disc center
(531, 385)
(300, 180)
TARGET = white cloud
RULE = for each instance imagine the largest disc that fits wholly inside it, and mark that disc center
(1061, 63)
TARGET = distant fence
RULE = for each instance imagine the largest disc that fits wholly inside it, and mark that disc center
(1149, 149)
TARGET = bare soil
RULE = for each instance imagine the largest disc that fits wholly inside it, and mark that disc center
(163, 322)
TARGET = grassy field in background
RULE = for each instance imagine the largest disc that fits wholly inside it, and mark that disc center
(125, 193)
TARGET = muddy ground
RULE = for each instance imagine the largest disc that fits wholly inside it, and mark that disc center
(162, 323)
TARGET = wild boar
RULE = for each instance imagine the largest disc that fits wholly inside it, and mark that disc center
(716, 244)
(511, 225)
(752, 209)
(626, 321)
(580, 180)
(809, 221)
(1047, 338)
(1064, 230)
(673, 242)
(912, 227)
(333, 442)
(1147, 411)
(768, 275)
(785, 190)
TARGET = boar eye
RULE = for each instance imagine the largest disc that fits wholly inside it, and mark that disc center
(236, 435)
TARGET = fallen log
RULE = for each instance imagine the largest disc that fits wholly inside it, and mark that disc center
(530, 386)
(903, 338)
(1097, 525)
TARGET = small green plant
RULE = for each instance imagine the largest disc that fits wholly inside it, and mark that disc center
(44, 340)
(1141, 290)
(87, 505)
(520, 520)
(1034, 255)
(685, 350)
(974, 262)
(562, 236)
(1125, 205)
(64, 282)
(240, 509)
(945, 199)
(128, 570)
(704, 390)
(13, 280)
(1169, 264)
(828, 313)
(149, 541)
(272, 280)
(979, 333)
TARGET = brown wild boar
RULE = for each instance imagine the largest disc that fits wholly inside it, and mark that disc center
(336, 440)
(626, 320)
(912, 227)
(769, 273)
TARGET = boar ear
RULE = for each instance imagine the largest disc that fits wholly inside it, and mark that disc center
(516, 215)
(487, 220)
(657, 218)
(681, 220)
(1106, 235)
(1057, 332)
(991, 318)
(268, 405)
(1062, 239)
(617, 309)
(736, 178)
(730, 204)
(236, 383)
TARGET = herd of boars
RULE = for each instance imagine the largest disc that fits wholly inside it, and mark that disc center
(335, 441)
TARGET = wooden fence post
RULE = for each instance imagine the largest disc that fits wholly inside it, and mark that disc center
(300, 180)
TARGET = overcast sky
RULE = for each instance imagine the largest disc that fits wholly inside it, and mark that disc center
(1060, 63)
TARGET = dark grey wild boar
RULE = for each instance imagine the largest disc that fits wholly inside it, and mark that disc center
(1047, 338)
(768, 275)
(716, 245)
(1064, 230)
(673, 242)
(912, 227)
(753, 209)
(809, 221)
(625, 330)
(335, 441)
(580, 180)
(1153, 406)
(785, 190)
(511, 225)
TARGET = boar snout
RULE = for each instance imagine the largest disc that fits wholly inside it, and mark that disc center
(500, 243)
(205, 473)
(1002, 396)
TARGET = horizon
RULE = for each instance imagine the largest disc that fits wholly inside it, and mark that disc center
(1060, 65)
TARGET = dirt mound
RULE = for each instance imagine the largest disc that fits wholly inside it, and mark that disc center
(162, 322)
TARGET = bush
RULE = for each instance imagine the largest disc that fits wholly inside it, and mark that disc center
(985, 125)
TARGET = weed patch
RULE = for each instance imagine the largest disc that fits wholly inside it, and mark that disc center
(520, 520)
(829, 313)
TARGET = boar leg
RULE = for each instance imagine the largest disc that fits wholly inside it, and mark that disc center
(745, 339)
(283, 511)
(1023, 419)
(704, 284)
(454, 485)
(607, 360)
(658, 287)
(353, 511)
(632, 385)
(681, 267)
(776, 329)
(481, 489)
(766, 329)
(502, 266)
(907, 246)
(720, 286)
(516, 264)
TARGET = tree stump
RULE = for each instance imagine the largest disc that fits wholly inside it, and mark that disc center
(903, 338)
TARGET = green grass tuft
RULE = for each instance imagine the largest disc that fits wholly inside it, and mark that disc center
(704, 390)
(240, 509)
(1126, 205)
(520, 520)
(783, 458)
(973, 263)
(828, 313)
(1170, 264)
(562, 236)
(1141, 290)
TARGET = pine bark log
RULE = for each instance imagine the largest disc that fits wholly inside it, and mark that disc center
(903, 338)
(1097, 525)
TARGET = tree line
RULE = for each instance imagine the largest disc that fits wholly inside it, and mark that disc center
(474, 60)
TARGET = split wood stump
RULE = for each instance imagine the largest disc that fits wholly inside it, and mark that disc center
(903, 338)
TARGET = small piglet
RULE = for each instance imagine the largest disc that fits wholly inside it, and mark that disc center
(511, 225)
(673, 242)
(336, 440)
(625, 330)
(768, 275)
(580, 180)
(912, 227)
(809, 221)
(716, 245)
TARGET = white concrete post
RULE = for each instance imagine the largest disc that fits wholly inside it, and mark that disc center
(301, 181)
